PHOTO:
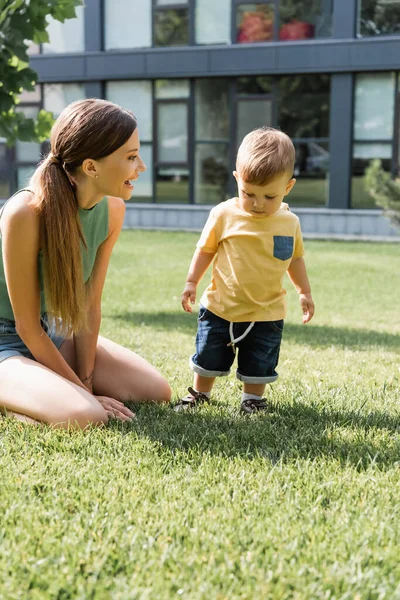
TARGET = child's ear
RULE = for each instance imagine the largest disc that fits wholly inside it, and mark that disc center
(290, 186)
(236, 175)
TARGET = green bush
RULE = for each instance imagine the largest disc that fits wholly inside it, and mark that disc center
(384, 190)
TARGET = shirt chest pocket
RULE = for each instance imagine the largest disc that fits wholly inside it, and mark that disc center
(283, 247)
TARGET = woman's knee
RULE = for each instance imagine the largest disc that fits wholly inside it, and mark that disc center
(157, 390)
(82, 416)
(162, 392)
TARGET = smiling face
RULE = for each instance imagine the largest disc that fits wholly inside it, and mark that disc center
(113, 175)
(263, 200)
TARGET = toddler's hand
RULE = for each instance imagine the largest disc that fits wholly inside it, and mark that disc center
(307, 306)
(189, 293)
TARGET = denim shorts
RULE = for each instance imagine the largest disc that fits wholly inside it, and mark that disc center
(258, 352)
(12, 345)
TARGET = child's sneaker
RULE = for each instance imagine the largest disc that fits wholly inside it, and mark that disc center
(253, 405)
(191, 400)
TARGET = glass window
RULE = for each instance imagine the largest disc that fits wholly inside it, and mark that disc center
(58, 95)
(28, 151)
(252, 114)
(172, 185)
(303, 105)
(212, 173)
(68, 36)
(362, 156)
(127, 24)
(33, 96)
(4, 186)
(171, 27)
(4, 171)
(254, 23)
(300, 20)
(254, 85)
(32, 48)
(170, 2)
(311, 171)
(23, 176)
(172, 88)
(172, 132)
(213, 22)
(212, 109)
(374, 106)
(143, 187)
(379, 17)
(135, 96)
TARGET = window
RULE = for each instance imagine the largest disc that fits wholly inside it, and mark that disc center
(136, 96)
(254, 23)
(171, 23)
(212, 121)
(172, 149)
(213, 21)
(374, 118)
(305, 19)
(254, 105)
(299, 105)
(68, 36)
(172, 132)
(303, 105)
(58, 95)
(283, 20)
(374, 106)
(27, 154)
(127, 24)
(379, 17)
(5, 188)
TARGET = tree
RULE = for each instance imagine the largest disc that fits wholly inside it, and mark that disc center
(384, 190)
(22, 21)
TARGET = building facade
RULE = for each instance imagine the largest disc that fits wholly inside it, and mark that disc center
(200, 74)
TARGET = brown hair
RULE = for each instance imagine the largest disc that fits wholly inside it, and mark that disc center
(263, 154)
(85, 129)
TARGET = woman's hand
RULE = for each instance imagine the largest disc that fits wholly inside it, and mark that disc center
(115, 409)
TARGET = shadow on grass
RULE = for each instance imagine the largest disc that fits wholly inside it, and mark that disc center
(321, 336)
(285, 433)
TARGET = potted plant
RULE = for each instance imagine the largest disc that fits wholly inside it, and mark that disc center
(256, 25)
(298, 19)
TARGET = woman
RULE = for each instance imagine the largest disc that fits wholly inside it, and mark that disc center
(57, 238)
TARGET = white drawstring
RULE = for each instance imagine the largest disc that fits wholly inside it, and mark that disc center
(240, 338)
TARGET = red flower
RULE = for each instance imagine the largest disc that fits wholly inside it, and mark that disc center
(256, 26)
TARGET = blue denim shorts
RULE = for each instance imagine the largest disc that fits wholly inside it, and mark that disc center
(258, 352)
(12, 345)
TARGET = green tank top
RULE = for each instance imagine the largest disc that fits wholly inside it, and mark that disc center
(94, 222)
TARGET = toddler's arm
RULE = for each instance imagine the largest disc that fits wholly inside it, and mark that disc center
(199, 265)
(298, 276)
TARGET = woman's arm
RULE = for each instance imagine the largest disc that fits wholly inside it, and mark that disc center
(85, 344)
(20, 242)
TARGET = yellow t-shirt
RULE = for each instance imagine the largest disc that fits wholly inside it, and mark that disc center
(252, 256)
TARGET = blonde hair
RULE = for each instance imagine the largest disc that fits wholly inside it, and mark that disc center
(89, 128)
(263, 154)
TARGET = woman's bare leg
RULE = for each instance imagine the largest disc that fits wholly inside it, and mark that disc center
(30, 389)
(121, 374)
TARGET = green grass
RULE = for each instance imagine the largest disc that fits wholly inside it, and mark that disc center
(301, 503)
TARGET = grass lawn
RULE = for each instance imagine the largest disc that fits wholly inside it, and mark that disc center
(301, 503)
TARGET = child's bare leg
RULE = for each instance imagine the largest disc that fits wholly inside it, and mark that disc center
(255, 389)
(203, 384)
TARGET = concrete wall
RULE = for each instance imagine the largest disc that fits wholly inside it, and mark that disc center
(319, 223)
(322, 223)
